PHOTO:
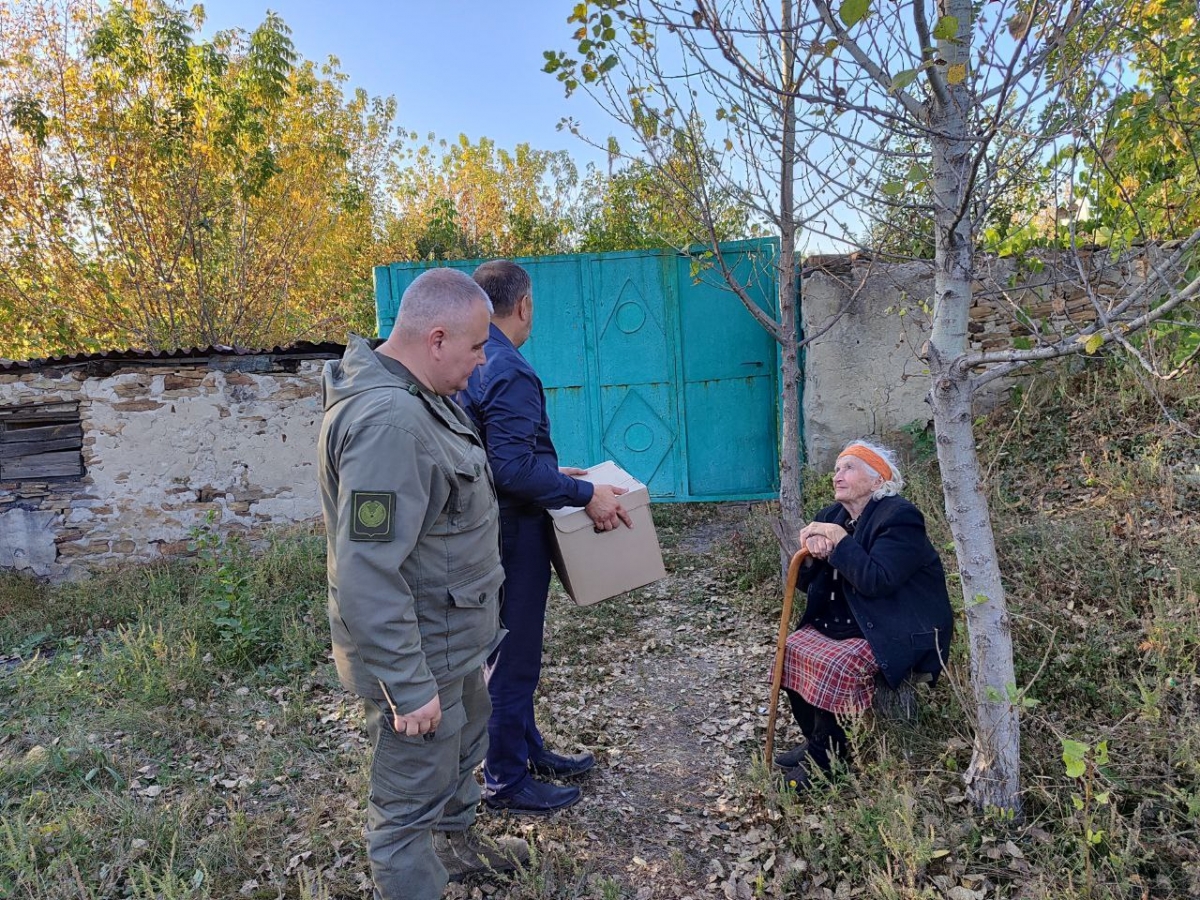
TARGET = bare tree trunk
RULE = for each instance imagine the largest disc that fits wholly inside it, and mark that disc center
(790, 501)
(993, 778)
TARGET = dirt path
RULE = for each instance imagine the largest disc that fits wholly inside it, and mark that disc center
(669, 691)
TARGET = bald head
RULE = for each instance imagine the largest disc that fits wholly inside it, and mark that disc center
(441, 329)
(437, 297)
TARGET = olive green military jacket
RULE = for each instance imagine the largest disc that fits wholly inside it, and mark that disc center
(412, 529)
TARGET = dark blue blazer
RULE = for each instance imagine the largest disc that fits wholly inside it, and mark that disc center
(894, 583)
(504, 398)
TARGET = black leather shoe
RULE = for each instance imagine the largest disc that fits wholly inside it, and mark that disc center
(535, 798)
(549, 764)
(789, 759)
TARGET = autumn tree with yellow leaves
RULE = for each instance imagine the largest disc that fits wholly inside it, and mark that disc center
(161, 191)
(461, 199)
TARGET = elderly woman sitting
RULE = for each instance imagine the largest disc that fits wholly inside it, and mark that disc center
(877, 603)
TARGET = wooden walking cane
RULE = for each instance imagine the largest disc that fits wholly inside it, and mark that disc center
(785, 620)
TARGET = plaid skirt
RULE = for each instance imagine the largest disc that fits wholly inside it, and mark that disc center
(837, 676)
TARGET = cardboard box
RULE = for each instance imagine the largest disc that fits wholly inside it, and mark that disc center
(594, 566)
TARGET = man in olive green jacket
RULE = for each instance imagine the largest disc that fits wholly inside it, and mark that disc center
(414, 581)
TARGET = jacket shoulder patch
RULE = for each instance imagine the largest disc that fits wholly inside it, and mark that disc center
(373, 515)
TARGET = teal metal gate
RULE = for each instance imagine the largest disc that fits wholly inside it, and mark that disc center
(650, 364)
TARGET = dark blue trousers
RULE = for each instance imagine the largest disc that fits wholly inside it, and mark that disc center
(516, 666)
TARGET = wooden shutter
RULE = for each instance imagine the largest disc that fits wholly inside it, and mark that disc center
(43, 442)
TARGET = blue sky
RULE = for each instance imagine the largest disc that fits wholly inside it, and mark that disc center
(454, 66)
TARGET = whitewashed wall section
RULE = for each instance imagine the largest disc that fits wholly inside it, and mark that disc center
(162, 450)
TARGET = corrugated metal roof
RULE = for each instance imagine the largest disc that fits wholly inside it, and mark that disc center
(298, 350)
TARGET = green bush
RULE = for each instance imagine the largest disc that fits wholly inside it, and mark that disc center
(258, 607)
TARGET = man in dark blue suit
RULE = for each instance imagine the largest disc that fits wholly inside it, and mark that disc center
(505, 399)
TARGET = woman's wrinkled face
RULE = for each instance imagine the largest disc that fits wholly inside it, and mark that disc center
(854, 481)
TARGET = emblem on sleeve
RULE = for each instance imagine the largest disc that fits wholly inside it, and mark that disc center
(373, 515)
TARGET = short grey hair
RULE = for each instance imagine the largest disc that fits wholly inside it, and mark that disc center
(437, 297)
(891, 487)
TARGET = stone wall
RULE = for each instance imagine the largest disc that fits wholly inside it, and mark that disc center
(864, 375)
(164, 448)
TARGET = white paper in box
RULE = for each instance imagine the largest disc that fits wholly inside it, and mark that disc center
(595, 566)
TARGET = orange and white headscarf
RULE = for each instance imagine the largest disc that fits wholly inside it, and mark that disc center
(877, 463)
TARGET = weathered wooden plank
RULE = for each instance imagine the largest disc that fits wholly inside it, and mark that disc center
(40, 412)
(38, 448)
(46, 474)
(45, 465)
(12, 435)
